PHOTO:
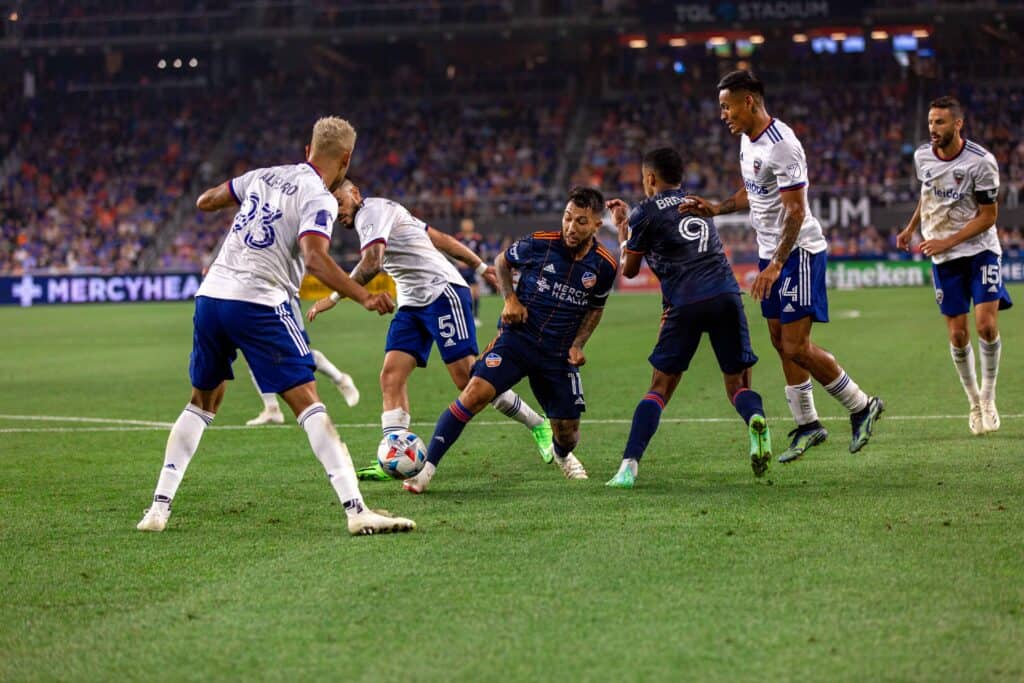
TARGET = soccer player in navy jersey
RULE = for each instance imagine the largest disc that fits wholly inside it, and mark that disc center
(474, 241)
(699, 294)
(564, 280)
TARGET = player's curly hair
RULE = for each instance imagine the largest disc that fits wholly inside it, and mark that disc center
(587, 198)
(333, 136)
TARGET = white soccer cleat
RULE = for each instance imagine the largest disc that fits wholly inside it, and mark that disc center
(267, 417)
(348, 390)
(989, 416)
(572, 468)
(370, 522)
(153, 520)
(975, 420)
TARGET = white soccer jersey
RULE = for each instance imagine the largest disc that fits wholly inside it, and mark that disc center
(948, 201)
(260, 260)
(420, 271)
(773, 162)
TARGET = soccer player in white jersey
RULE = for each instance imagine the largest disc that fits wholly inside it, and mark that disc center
(957, 216)
(792, 251)
(248, 301)
(434, 307)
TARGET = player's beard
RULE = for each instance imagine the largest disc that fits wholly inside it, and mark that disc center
(944, 140)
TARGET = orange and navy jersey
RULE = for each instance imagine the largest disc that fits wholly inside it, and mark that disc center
(684, 251)
(557, 289)
(473, 241)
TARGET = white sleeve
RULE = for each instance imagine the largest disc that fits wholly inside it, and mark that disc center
(789, 165)
(374, 223)
(240, 186)
(986, 174)
(317, 215)
(917, 169)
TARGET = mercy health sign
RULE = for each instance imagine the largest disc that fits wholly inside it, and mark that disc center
(30, 290)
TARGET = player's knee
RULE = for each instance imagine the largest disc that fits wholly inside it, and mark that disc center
(391, 378)
(795, 350)
(987, 330)
(959, 337)
(476, 396)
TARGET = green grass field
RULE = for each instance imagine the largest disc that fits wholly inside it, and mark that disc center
(904, 562)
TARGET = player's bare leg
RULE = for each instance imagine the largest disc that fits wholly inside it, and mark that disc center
(961, 351)
(566, 436)
(509, 404)
(474, 398)
(182, 443)
(395, 416)
(332, 453)
(749, 405)
(646, 417)
(990, 346)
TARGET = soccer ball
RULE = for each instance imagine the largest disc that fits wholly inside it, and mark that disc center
(402, 454)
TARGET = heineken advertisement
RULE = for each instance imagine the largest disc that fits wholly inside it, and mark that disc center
(858, 274)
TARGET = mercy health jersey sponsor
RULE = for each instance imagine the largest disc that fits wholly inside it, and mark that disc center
(34, 290)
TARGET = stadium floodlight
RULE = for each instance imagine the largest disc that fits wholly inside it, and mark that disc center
(879, 35)
(920, 33)
(677, 42)
(177, 64)
(715, 41)
(799, 37)
(13, 16)
(838, 35)
(638, 43)
(162, 64)
(757, 39)
(193, 62)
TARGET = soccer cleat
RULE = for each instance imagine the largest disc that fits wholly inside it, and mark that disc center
(989, 416)
(267, 417)
(623, 479)
(863, 423)
(370, 522)
(760, 445)
(572, 468)
(153, 520)
(975, 422)
(542, 437)
(373, 472)
(802, 440)
(348, 390)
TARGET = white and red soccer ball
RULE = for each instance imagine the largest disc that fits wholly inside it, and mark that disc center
(402, 454)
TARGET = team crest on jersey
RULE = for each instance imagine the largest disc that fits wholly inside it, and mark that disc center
(757, 166)
(543, 285)
(492, 360)
(958, 176)
(794, 171)
(589, 279)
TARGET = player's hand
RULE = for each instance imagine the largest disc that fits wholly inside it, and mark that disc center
(619, 209)
(381, 303)
(576, 356)
(762, 287)
(325, 304)
(933, 247)
(698, 205)
(491, 277)
(903, 239)
(514, 313)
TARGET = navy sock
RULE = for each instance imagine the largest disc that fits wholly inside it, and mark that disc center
(747, 403)
(447, 431)
(560, 450)
(645, 422)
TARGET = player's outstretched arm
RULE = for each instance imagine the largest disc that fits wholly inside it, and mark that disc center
(706, 208)
(587, 326)
(513, 313)
(216, 198)
(907, 234)
(450, 246)
(320, 264)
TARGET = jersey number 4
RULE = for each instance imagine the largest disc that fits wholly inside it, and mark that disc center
(260, 232)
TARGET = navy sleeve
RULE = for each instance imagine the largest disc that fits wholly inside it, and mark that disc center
(521, 253)
(639, 240)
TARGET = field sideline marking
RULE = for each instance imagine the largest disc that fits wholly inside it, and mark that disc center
(146, 426)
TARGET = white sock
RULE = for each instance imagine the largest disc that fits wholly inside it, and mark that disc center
(269, 400)
(510, 405)
(846, 391)
(631, 464)
(800, 398)
(963, 359)
(181, 446)
(394, 420)
(333, 455)
(990, 352)
(327, 367)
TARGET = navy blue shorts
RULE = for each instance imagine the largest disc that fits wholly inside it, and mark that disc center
(447, 321)
(722, 317)
(800, 290)
(469, 275)
(977, 277)
(554, 382)
(272, 338)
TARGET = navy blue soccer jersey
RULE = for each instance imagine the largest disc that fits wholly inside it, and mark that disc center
(556, 289)
(684, 251)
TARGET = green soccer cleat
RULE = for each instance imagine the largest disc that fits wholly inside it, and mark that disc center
(863, 423)
(803, 439)
(542, 437)
(373, 472)
(623, 479)
(760, 445)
